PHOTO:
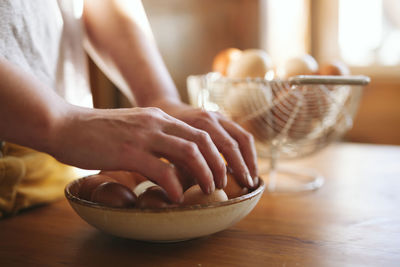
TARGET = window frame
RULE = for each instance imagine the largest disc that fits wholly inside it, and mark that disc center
(325, 45)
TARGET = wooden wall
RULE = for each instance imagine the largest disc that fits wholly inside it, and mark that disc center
(190, 32)
(378, 118)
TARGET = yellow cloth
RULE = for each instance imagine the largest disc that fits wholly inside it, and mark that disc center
(29, 178)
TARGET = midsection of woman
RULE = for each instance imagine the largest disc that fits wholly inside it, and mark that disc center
(43, 38)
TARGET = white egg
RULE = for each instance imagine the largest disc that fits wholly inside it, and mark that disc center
(303, 65)
(194, 195)
(252, 63)
(140, 188)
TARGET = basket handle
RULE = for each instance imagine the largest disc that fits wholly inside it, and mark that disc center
(324, 79)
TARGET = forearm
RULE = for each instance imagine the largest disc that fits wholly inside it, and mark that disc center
(28, 110)
(122, 45)
(120, 42)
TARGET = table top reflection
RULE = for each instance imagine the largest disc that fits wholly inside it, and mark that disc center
(354, 219)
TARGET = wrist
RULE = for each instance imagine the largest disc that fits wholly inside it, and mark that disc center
(51, 137)
(162, 101)
(167, 103)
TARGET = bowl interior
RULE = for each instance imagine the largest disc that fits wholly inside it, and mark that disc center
(164, 224)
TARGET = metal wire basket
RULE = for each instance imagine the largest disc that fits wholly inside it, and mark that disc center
(288, 118)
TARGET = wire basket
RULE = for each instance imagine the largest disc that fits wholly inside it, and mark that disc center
(288, 118)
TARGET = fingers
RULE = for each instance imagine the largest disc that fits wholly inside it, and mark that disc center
(207, 148)
(183, 152)
(161, 173)
(184, 175)
(231, 151)
(246, 144)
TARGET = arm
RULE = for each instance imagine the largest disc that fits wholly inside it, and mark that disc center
(126, 139)
(120, 41)
(23, 110)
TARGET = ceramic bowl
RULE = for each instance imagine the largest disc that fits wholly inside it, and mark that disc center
(167, 224)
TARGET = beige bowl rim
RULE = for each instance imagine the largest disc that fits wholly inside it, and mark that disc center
(83, 202)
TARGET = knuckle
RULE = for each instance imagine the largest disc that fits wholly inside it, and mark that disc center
(166, 174)
(154, 109)
(149, 116)
(231, 145)
(154, 112)
(221, 166)
(205, 118)
(153, 116)
(206, 115)
(202, 137)
(190, 150)
(248, 137)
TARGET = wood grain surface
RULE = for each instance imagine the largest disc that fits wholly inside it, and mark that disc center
(353, 220)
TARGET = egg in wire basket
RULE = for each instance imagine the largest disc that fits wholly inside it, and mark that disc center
(288, 118)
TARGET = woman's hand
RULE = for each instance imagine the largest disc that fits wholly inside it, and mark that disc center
(234, 143)
(134, 140)
(119, 40)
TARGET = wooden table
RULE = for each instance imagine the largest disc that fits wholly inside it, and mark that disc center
(353, 220)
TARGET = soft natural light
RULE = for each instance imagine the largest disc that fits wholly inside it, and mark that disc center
(360, 30)
(135, 10)
(78, 8)
(367, 33)
(286, 29)
(390, 52)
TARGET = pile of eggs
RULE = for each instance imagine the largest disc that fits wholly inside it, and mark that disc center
(266, 114)
(123, 189)
(256, 63)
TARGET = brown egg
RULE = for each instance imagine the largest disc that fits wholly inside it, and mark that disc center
(334, 68)
(90, 183)
(114, 195)
(318, 103)
(194, 195)
(129, 179)
(242, 103)
(184, 177)
(291, 112)
(303, 65)
(287, 115)
(233, 189)
(154, 197)
(224, 58)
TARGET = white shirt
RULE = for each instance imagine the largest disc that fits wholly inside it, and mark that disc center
(45, 38)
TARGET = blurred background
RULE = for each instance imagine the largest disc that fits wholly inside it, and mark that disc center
(365, 34)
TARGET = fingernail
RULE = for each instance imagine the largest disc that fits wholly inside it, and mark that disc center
(250, 180)
(180, 199)
(222, 182)
(211, 188)
(256, 180)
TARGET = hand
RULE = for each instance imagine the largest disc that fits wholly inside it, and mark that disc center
(235, 144)
(134, 140)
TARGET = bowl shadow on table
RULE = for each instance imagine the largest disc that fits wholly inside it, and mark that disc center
(100, 249)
